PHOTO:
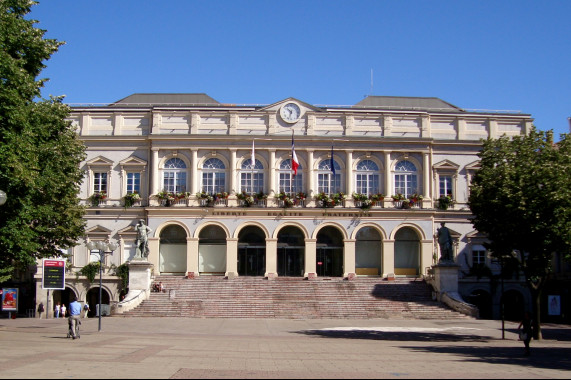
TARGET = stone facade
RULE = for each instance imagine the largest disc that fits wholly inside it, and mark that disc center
(189, 143)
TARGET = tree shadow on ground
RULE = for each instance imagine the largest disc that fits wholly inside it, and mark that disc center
(401, 336)
(557, 358)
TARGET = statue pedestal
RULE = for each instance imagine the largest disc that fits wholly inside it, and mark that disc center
(446, 278)
(139, 285)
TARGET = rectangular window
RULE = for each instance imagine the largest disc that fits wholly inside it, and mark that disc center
(329, 183)
(252, 182)
(286, 184)
(133, 183)
(479, 258)
(213, 183)
(100, 182)
(445, 185)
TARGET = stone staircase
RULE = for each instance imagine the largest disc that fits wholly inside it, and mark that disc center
(293, 298)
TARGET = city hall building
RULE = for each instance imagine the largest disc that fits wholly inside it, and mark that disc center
(286, 189)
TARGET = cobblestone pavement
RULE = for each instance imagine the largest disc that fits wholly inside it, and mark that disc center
(273, 348)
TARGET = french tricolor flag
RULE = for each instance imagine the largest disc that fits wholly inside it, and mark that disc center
(294, 161)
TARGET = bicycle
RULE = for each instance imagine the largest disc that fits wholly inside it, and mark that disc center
(70, 332)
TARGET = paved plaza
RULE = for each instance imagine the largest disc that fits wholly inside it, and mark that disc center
(175, 348)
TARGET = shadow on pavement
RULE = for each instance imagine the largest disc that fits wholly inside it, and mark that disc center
(402, 336)
(557, 358)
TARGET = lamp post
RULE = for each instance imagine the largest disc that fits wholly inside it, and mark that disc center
(3, 198)
(104, 248)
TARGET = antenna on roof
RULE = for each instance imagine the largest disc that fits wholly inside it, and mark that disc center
(371, 90)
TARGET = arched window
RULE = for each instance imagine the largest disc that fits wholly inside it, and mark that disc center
(213, 176)
(288, 183)
(406, 178)
(174, 176)
(367, 178)
(327, 182)
(252, 177)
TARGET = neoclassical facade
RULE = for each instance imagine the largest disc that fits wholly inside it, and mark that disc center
(217, 185)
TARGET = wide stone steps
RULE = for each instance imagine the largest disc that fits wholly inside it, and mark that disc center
(292, 298)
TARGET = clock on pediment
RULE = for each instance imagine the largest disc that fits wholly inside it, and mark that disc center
(290, 112)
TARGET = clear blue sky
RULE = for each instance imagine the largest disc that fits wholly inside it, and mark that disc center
(494, 55)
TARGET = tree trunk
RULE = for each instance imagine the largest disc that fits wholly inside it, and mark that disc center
(536, 309)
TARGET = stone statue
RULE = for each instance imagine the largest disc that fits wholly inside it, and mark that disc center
(142, 241)
(445, 243)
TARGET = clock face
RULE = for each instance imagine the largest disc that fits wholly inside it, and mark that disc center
(290, 112)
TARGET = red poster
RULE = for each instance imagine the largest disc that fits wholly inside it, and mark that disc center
(10, 299)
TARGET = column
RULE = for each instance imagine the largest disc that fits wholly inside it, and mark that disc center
(233, 187)
(191, 257)
(194, 172)
(349, 173)
(155, 163)
(388, 182)
(231, 258)
(272, 180)
(310, 258)
(154, 253)
(426, 247)
(349, 258)
(426, 175)
(388, 258)
(311, 191)
(271, 258)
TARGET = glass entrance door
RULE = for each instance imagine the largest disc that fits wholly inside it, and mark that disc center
(291, 261)
(329, 261)
(251, 260)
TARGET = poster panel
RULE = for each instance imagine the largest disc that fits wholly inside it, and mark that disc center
(10, 299)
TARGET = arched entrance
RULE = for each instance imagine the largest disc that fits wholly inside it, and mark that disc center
(251, 252)
(172, 257)
(291, 252)
(92, 298)
(407, 252)
(483, 301)
(329, 252)
(368, 252)
(212, 251)
(514, 305)
(63, 297)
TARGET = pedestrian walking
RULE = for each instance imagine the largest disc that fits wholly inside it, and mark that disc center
(85, 309)
(40, 310)
(63, 310)
(57, 309)
(525, 329)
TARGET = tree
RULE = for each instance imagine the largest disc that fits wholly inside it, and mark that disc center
(40, 151)
(521, 198)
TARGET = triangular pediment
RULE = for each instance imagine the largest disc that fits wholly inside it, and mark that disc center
(129, 230)
(303, 105)
(133, 161)
(446, 165)
(98, 232)
(474, 166)
(100, 161)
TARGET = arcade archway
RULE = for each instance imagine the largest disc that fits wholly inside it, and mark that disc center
(368, 252)
(251, 252)
(212, 250)
(329, 252)
(172, 257)
(291, 252)
(407, 252)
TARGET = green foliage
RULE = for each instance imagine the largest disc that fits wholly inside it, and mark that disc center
(40, 152)
(122, 271)
(521, 198)
(90, 270)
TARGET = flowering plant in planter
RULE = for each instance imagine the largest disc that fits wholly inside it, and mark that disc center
(183, 195)
(325, 200)
(205, 196)
(222, 195)
(97, 197)
(286, 199)
(131, 198)
(377, 197)
(398, 197)
(359, 197)
(246, 199)
(414, 198)
(444, 202)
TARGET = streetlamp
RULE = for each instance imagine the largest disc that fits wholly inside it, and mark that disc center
(104, 248)
(3, 198)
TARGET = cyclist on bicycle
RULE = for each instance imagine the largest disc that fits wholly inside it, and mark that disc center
(74, 316)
